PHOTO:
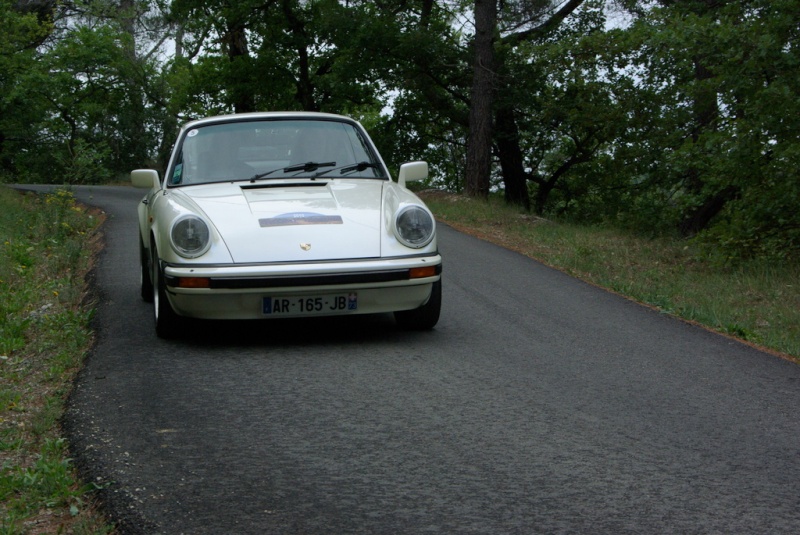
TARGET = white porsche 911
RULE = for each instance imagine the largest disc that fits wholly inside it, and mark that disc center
(277, 215)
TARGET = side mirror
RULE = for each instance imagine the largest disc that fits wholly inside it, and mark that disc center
(145, 178)
(412, 171)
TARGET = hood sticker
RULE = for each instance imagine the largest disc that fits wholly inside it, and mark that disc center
(300, 218)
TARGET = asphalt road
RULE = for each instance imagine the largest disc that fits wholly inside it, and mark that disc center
(539, 404)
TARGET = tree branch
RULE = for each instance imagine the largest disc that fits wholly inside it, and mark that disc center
(543, 29)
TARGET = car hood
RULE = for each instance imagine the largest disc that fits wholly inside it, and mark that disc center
(302, 220)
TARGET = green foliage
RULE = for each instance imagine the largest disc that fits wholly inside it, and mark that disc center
(84, 163)
(74, 110)
(686, 120)
(18, 41)
(49, 483)
(44, 333)
(295, 55)
(704, 102)
(47, 242)
(424, 65)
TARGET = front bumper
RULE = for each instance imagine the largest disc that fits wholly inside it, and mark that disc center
(238, 291)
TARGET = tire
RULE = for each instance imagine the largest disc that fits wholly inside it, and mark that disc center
(425, 317)
(146, 281)
(167, 322)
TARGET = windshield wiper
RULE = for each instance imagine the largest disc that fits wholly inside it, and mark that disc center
(308, 166)
(301, 167)
(349, 168)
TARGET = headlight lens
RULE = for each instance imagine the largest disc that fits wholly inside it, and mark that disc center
(190, 236)
(414, 226)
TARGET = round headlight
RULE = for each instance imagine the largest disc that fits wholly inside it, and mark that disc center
(190, 236)
(414, 226)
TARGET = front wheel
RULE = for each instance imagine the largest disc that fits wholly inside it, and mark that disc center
(167, 322)
(425, 317)
(146, 280)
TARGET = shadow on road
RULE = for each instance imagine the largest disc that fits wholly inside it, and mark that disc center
(297, 332)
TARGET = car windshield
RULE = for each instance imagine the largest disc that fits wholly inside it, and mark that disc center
(269, 149)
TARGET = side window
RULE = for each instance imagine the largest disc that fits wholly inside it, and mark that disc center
(188, 167)
(177, 171)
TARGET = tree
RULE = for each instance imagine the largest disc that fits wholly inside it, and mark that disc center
(76, 105)
(714, 139)
(481, 100)
(530, 20)
(24, 30)
(285, 54)
(420, 57)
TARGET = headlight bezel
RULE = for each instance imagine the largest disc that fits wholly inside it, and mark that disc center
(400, 222)
(190, 252)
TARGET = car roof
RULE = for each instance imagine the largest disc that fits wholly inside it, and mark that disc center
(233, 117)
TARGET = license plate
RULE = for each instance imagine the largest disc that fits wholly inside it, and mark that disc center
(310, 305)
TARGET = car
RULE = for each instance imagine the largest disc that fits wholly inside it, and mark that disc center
(283, 215)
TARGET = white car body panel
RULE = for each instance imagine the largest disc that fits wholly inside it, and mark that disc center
(249, 219)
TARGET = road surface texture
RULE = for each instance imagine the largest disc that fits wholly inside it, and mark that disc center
(539, 404)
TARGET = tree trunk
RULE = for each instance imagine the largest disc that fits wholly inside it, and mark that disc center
(238, 53)
(511, 161)
(479, 142)
(515, 178)
(700, 217)
(5, 162)
(705, 111)
(427, 10)
(542, 195)
(134, 150)
(582, 154)
(304, 85)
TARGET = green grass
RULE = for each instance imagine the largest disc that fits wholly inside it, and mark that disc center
(45, 251)
(757, 302)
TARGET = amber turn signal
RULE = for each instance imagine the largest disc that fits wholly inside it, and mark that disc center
(422, 272)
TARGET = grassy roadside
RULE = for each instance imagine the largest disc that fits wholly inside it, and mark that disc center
(45, 253)
(758, 302)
